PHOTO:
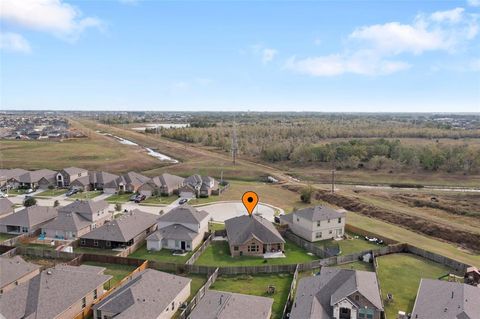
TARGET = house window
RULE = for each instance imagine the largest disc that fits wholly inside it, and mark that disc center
(340, 220)
(109, 243)
(99, 314)
(235, 248)
(83, 242)
(330, 231)
(328, 221)
(318, 223)
(252, 248)
(318, 235)
(95, 294)
(25, 229)
(357, 298)
(95, 243)
(84, 302)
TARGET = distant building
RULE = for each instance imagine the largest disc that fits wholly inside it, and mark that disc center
(41, 178)
(68, 175)
(316, 223)
(94, 181)
(165, 184)
(129, 182)
(199, 186)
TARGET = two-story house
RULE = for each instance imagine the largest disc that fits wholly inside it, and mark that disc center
(68, 175)
(316, 223)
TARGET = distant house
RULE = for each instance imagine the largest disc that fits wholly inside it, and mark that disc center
(124, 231)
(338, 294)
(165, 184)
(41, 178)
(252, 236)
(219, 304)
(77, 219)
(183, 228)
(202, 186)
(94, 181)
(6, 207)
(68, 175)
(150, 294)
(27, 220)
(62, 292)
(15, 271)
(129, 182)
(472, 276)
(316, 223)
(9, 176)
(439, 299)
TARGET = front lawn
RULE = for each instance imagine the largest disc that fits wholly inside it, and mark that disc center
(218, 254)
(86, 195)
(160, 200)
(116, 270)
(51, 193)
(257, 285)
(164, 255)
(96, 251)
(115, 198)
(400, 274)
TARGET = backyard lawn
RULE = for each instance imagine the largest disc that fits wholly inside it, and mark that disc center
(117, 271)
(350, 246)
(115, 198)
(96, 251)
(357, 265)
(5, 236)
(164, 255)
(257, 285)
(86, 195)
(213, 226)
(400, 274)
(51, 192)
(218, 254)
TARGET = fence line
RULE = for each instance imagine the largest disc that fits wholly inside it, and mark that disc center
(196, 299)
(309, 246)
(200, 250)
(293, 286)
(359, 231)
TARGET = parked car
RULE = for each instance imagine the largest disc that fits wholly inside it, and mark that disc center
(183, 201)
(3, 195)
(133, 197)
(139, 198)
(29, 191)
(71, 192)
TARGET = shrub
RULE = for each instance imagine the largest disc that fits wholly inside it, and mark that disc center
(30, 201)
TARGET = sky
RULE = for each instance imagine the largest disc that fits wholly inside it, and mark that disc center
(325, 56)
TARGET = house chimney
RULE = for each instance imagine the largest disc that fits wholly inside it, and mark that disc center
(452, 294)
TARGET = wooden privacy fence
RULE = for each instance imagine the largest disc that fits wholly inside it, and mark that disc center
(200, 250)
(291, 293)
(196, 299)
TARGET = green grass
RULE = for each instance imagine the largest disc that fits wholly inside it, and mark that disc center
(212, 226)
(197, 282)
(115, 198)
(16, 191)
(257, 285)
(160, 200)
(357, 265)
(218, 254)
(96, 251)
(117, 271)
(86, 195)
(37, 246)
(5, 236)
(400, 274)
(351, 245)
(51, 193)
(164, 255)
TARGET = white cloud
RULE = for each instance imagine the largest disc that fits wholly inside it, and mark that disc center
(52, 16)
(371, 50)
(268, 55)
(14, 42)
(474, 3)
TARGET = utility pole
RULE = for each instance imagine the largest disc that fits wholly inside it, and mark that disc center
(234, 142)
(333, 173)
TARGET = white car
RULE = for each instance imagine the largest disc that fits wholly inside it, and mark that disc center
(3, 195)
(29, 191)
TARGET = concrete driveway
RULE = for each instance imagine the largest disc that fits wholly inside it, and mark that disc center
(225, 210)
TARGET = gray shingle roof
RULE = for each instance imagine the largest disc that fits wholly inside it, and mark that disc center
(11, 269)
(101, 177)
(439, 299)
(130, 178)
(35, 176)
(84, 207)
(68, 222)
(319, 213)
(168, 180)
(74, 170)
(227, 305)
(316, 296)
(146, 296)
(175, 232)
(184, 214)
(30, 216)
(124, 228)
(6, 206)
(47, 295)
(242, 228)
(12, 173)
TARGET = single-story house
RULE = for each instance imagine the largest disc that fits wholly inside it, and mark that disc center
(27, 220)
(131, 228)
(316, 223)
(62, 292)
(77, 219)
(8, 176)
(94, 181)
(220, 304)
(439, 299)
(339, 294)
(6, 207)
(68, 175)
(252, 235)
(41, 178)
(150, 294)
(14, 271)
(182, 228)
(129, 182)
(165, 184)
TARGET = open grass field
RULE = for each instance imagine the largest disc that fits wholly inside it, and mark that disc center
(400, 274)
(218, 254)
(86, 195)
(406, 236)
(257, 285)
(51, 193)
(117, 271)
(164, 255)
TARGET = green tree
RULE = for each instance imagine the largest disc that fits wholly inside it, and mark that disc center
(29, 201)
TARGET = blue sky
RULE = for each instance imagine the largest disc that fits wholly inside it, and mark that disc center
(360, 56)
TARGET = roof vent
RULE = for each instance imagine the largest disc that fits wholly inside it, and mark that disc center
(49, 272)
